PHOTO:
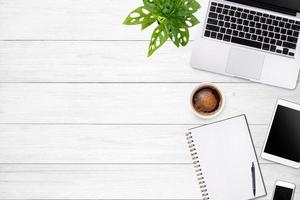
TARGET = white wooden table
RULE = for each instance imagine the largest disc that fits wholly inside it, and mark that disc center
(85, 115)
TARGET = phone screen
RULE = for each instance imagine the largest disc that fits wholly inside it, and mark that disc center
(283, 193)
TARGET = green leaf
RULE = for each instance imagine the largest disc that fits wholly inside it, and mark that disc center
(141, 16)
(183, 36)
(158, 38)
(191, 21)
(191, 5)
(179, 35)
(150, 5)
(173, 34)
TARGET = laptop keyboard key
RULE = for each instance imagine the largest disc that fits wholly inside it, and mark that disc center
(226, 38)
(248, 36)
(295, 27)
(213, 35)
(285, 51)
(275, 23)
(266, 47)
(279, 43)
(213, 15)
(207, 33)
(287, 25)
(271, 35)
(281, 24)
(290, 32)
(242, 34)
(289, 45)
(267, 40)
(212, 28)
(292, 39)
(283, 37)
(246, 42)
(213, 8)
(235, 33)
(219, 10)
(273, 48)
(220, 36)
(221, 23)
(237, 14)
(254, 37)
(291, 54)
(265, 33)
(283, 31)
(212, 21)
(273, 41)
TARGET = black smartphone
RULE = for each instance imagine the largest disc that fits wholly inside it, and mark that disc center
(283, 191)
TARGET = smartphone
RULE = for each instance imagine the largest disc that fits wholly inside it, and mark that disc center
(283, 191)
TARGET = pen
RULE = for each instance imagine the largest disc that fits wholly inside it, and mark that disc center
(253, 178)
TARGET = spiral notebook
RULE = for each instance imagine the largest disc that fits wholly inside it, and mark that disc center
(225, 160)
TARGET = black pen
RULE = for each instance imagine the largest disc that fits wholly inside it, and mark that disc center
(253, 179)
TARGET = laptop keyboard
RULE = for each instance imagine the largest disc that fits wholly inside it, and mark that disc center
(253, 29)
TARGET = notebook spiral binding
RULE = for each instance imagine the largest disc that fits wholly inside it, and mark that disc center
(197, 166)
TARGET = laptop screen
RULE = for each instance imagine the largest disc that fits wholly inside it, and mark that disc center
(289, 4)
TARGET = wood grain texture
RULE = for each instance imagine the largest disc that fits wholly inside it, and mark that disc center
(100, 144)
(130, 103)
(97, 61)
(115, 181)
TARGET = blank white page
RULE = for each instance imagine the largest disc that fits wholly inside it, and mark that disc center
(226, 153)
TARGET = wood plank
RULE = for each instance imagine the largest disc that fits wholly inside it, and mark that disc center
(70, 20)
(100, 143)
(116, 181)
(97, 61)
(130, 103)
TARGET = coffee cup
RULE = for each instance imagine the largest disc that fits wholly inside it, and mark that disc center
(207, 100)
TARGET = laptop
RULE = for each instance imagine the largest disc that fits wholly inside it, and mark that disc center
(252, 39)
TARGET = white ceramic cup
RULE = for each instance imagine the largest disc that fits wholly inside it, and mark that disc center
(221, 103)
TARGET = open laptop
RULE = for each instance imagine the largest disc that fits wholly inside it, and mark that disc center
(253, 39)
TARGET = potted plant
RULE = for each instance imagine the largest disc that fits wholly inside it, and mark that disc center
(173, 17)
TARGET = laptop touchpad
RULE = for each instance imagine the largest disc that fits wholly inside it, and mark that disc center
(245, 63)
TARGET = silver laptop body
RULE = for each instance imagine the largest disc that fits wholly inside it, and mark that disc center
(248, 42)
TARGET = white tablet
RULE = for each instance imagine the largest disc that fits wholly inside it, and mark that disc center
(282, 144)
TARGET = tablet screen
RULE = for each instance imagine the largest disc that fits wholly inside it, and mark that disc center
(284, 136)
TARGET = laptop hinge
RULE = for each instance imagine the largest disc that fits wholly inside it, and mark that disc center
(266, 6)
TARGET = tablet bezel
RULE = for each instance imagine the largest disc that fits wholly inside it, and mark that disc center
(274, 158)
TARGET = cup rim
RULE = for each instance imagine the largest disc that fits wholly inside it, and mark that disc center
(221, 95)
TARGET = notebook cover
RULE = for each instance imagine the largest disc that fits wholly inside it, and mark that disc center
(224, 154)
